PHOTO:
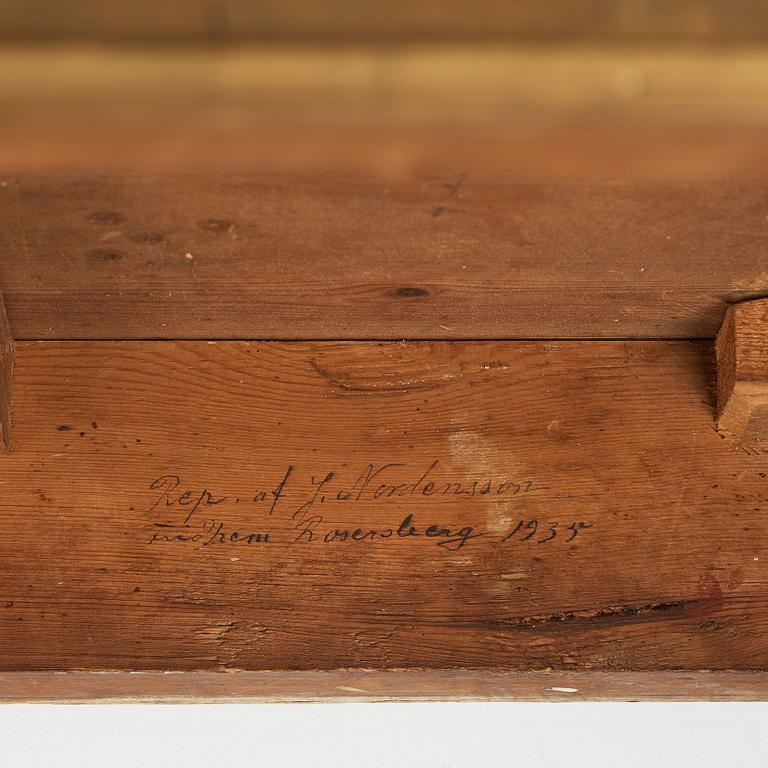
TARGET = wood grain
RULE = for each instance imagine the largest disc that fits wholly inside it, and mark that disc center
(380, 685)
(742, 359)
(732, 21)
(655, 564)
(6, 378)
(340, 256)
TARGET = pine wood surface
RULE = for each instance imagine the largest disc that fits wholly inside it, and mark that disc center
(362, 256)
(379, 685)
(497, 507)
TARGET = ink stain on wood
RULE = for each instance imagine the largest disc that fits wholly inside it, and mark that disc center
(105, 255)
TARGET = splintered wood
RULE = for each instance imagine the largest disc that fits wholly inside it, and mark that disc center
(488, 518)
(742, 356)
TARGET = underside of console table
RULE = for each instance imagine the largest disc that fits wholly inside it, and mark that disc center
(291, 437)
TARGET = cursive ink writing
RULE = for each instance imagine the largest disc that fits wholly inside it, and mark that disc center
(444, 536)
(527, 530)
(296, 509)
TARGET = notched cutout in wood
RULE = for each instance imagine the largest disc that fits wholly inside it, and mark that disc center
(742, 365)
(6, 376)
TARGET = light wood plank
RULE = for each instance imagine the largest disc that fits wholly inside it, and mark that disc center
(380, 685)
(426, 84)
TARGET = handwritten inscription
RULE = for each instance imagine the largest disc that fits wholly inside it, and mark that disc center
(293, 509)
(211, 532)
(526, 530)
(444, 536)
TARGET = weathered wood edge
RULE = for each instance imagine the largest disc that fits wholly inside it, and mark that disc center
(6, 378)
(380, 685)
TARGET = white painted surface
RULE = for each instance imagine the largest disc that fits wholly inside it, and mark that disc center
(433, 735)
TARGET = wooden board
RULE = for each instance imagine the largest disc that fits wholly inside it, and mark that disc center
(425, 84)
(380, 685)
(203, 20)
(505, 508)
(6, 379)
(545, 148)
(340, 256)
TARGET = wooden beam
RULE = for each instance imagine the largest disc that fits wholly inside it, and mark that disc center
(615, 21)
(381, 685)
(351, 256)
(6, 378)
(636, 150)
(742, 357)
(497, 507)
(437, 85)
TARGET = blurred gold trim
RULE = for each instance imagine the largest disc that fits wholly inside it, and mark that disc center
(423, 83)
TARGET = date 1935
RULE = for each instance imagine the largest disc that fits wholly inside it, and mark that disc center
(541, 532)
